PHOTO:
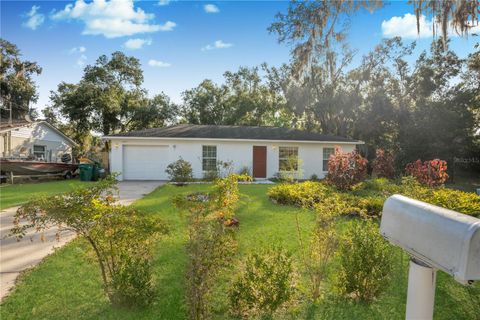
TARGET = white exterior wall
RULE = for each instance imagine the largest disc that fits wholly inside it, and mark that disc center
(24, 138)
(239, 152)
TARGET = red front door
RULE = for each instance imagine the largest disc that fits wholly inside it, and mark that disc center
(259, 161)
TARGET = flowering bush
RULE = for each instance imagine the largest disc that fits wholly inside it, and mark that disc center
(431, 173)
(346, 169)
(383, 165)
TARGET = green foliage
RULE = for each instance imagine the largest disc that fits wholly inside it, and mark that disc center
(225, 196)
(291, 170)
(109, 98)
(367, 197)
(120, 237)
(211, 243)
(265, 283)
(17, 87)
(304, 194)
(242, 177)
(132, 284)
(461, 201)
(222, 170)
(245, 170)
(180, 171)
(365, 263)
(323, 244)
(244, 99)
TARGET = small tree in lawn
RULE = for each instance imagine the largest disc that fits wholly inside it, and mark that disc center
(383, 165)
(346, 169)
(120, 237)
(431, 173)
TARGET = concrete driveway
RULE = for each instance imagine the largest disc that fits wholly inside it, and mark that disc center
(17, 256)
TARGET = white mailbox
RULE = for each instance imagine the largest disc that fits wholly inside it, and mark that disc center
(436, 238)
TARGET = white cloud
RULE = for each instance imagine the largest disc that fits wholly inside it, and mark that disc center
(219, 44)
(35, 19)
(82, 60)
(137, 43)
(406, 27)
(80, 49)
(211, 8)
(163, 2)
(159, 64)
(114, 18)
(80, 52)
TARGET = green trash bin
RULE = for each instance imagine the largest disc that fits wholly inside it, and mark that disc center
(86, 171)
(96, 172)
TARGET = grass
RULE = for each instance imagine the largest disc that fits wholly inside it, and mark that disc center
(17, 194)
(67, 284)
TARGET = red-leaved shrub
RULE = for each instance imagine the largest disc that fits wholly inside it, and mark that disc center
(346, 169)
(431, 173)
(383, 165)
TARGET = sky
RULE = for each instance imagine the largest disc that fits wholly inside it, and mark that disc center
(179, 43)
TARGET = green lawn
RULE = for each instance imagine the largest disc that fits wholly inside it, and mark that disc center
(67, 284)
(16, 194)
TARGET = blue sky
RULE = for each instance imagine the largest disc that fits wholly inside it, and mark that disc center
(179, 43)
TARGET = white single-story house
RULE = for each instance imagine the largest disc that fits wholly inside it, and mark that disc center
(37, 140)
(145, 154)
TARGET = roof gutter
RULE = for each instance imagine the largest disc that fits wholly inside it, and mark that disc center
(228, 139)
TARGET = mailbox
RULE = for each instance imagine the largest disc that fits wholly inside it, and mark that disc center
(443, 239)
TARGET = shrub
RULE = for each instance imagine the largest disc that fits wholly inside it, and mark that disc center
(242, 177)
(323, 243)
(464, 202)
(379, 186)
(346, 169)
(211, 243)
(132, 284)
(431, 173)
(304, 194)
(314, 177)
(120, 237)
(180, 171)
(372, 206)
(291, 170)
(383, 165)
(245, 171)
(225, 196)
(265, 284)
(222, 170)
(365, 262)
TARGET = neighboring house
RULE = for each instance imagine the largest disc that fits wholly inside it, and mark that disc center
(36, 140)
(145, 154)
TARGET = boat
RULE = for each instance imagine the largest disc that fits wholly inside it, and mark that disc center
(27, 167)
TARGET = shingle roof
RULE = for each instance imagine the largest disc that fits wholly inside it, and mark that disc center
(232, 132)
(16, 123)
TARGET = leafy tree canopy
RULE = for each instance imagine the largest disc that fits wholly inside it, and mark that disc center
(17, 88)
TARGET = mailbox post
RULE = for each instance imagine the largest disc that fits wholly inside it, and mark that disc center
(436, 239)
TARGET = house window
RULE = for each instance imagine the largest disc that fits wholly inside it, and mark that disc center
(39, 152)
(327, 152)
(288, 158)
(209, 158)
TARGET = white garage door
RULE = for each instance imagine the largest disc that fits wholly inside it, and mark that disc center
(145, 162)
